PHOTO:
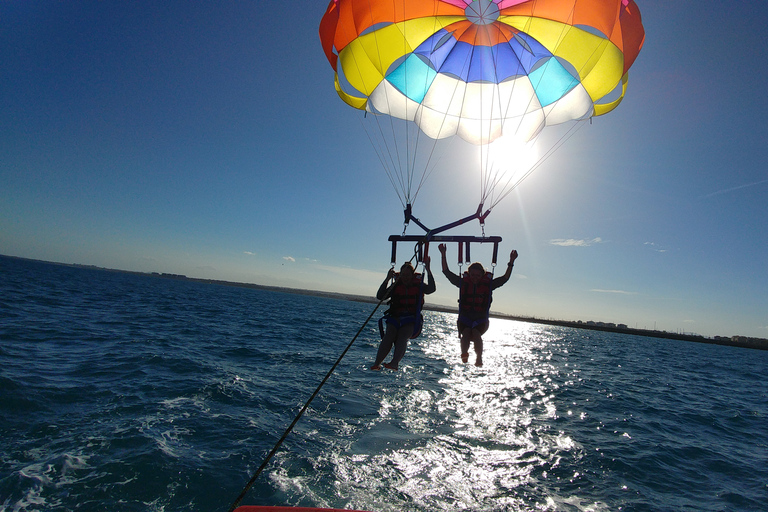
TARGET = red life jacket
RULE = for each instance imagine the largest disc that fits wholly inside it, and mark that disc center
(406, 300)
(475, 300)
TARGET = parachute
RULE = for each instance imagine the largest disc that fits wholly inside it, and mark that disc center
(481, 70)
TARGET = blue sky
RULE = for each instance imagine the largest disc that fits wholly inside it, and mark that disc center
(206, 139)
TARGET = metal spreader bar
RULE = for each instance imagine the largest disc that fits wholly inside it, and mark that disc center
(422, 244)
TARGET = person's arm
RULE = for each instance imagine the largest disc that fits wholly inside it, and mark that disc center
(453, 278)
(429, 285)
(441, 248)
(383, 289)
(500, 281)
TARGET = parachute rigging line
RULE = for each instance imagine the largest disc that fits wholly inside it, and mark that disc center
(277, 445)
(490, 177)
(387, 149)
(513, 183)
(401, 169)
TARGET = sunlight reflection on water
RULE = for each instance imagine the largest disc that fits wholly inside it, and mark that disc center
(474, 438)
(166, 395)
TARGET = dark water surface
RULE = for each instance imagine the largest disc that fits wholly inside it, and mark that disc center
(135, 393)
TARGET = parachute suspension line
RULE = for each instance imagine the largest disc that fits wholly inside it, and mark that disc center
(497, 174)
(271, 454)
(428, 166)
(491, 173)
(402, 173)
(485, 125)
(410, 153)
(483, 136)
(514, 180)
(392, 166)
(442, 125)
(399, 175)
(575, 127)
(401, 158)
(379, 146)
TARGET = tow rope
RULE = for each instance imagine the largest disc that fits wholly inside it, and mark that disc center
(301, 412)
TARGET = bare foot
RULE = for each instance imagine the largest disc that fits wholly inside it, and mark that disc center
(375, 367)
(479, 361)
(464, 357)
(390, 366)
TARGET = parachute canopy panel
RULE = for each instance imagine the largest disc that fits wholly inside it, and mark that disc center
(482, 69)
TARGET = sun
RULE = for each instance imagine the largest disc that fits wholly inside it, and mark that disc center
(511, 154)
(505, 162)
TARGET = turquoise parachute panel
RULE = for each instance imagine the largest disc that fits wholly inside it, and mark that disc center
(551, 81)
(412, 78)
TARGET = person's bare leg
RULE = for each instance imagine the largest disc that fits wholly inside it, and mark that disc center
(466, 339)
(477, 339)
(401, 344)
(386, 345)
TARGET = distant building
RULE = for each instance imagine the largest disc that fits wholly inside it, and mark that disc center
(746, 341)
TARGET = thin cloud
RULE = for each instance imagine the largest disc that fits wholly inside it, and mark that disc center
(574, 242)
(351, 273)
(618, 292)
(249, 253)
(289, 258)
(655, 247)
(733, 189)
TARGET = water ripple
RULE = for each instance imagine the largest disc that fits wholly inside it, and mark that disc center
(131, 392)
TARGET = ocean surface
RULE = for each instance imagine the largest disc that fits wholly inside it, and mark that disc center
(123, 392)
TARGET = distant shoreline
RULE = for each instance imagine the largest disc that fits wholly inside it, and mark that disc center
(733, 341)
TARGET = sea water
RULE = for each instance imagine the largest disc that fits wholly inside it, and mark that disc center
(131, 392)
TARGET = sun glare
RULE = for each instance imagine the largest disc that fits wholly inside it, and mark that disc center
(507, 161)
(512, 155)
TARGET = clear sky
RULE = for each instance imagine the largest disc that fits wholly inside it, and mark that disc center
(206, 139)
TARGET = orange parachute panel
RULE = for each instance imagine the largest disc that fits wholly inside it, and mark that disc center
(355, 16)
(488, 35)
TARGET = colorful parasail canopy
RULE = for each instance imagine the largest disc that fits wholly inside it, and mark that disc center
(482, 69)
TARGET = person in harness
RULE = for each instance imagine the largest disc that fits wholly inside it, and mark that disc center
(403, 319)
(475, 296)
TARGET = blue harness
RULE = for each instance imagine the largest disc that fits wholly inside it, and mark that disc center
(416, 320)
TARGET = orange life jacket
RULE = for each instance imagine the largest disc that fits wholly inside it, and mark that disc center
(475, 300)
(406, 300)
